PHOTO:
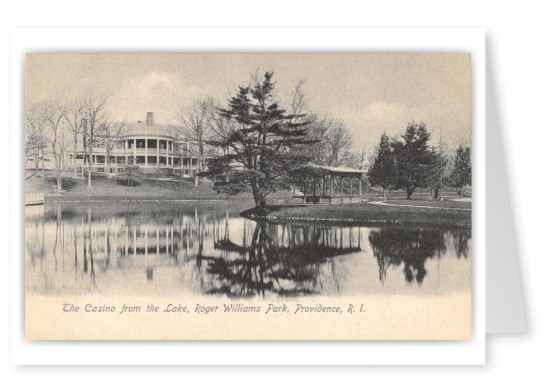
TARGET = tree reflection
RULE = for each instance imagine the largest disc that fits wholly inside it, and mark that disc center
(280, 259)
(412, 247)
(461, 244)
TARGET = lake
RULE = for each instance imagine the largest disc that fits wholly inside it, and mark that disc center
(206, 248)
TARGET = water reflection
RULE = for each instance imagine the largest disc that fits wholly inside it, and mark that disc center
(407, 246)
(282, 259)
(159, 248)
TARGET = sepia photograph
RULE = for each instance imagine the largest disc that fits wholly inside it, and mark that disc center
(248, 196)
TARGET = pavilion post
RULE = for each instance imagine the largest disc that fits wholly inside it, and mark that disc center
(332, 184)
(360, 186)
(351, 185)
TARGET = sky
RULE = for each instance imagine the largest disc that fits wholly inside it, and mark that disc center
(370, 93)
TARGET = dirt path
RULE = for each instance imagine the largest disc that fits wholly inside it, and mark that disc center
(416, 206)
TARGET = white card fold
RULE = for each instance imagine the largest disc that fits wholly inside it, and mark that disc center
(504, 300)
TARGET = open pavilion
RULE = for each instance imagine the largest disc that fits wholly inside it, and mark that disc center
(327, 185)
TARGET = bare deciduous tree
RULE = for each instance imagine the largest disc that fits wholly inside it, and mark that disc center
(299, 102)
(339, 142)
(108, 135)
(335, 142)
(74, 116)
(95, 115)
(53, 113)
(195, 125)
(35, 142)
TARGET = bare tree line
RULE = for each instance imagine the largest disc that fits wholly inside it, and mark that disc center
(57, 126)
(48, 124)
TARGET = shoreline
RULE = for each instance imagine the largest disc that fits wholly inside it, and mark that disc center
(364, 214)
(367, 214)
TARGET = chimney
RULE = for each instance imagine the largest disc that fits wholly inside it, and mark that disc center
(149, 119)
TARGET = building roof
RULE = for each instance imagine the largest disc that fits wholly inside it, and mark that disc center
(345, 170)
(143, 130)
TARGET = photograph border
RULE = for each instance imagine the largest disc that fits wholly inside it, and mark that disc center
(246, 352)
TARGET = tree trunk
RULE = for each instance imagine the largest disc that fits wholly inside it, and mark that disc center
(58, 172)
(43, 169)
(90, 168)
(75, 159)
(259, 199)
(262, 202)
(409, 193)
(384, 194)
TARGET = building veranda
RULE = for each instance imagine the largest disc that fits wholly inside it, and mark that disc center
(153, 148)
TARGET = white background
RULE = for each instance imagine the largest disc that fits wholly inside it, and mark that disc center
(260, 352)
(518, 49)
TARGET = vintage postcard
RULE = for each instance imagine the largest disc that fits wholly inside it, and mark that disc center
(248, 196)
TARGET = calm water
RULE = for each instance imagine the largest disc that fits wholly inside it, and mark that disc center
(207, 248)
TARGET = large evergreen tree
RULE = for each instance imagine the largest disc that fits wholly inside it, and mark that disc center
(461, 174)
(265, 141)
(414, 159)
(382, 171)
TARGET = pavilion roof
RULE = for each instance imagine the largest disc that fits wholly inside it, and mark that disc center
(316, 170)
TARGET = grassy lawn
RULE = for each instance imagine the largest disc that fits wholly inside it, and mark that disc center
(108, 189)
(366, 214)
(103, 188)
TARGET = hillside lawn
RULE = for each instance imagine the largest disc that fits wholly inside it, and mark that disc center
(111, 189)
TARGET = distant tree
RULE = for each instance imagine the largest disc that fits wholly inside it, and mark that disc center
(73, 117)
(333, 148)
(335, 141)
(264, 140)
(35, 139)
(221, 128)
(95, 116)
(339, 142)
(437, 172)
(195, 125)
(461, 174)
(413, 158)
(130, 170)
(108, 135)
(53, 113)
(383, 170)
